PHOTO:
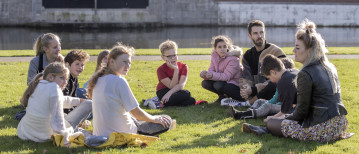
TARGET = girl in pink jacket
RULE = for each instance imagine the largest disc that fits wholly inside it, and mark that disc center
(223, 74)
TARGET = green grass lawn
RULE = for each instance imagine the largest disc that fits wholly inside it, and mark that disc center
(181, 51)
(200, 129)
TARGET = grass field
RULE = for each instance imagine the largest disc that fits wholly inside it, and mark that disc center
(200, 129)
(181, 51)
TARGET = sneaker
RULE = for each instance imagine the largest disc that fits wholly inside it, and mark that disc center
(147, 101)
(173, 124)
(232, 111)
(258, 130)
(230, 102)
(155, 104)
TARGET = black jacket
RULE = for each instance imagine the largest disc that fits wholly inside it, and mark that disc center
(316, 100)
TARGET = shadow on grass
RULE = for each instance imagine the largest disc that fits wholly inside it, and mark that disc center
(8, 116)
(13, 144)
(234, 137)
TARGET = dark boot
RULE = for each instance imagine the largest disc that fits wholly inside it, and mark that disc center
(220, 97)
(258, 130)
(239, 114)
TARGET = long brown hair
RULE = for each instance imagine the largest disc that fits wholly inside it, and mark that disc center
(221, 38)
(44, 41)
(55, 68)
(101, 56)
(116, 51)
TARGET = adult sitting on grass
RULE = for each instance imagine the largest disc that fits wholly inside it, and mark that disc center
(320, 112)
(253, 85)
(222, 76)
(280, 71)
(114, 102)
(47, 47)
(44, 104)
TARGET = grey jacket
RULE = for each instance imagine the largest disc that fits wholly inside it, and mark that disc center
(316, 100)
(34, 65)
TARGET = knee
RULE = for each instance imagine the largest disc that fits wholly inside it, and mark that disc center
(227, 88)
(185, 93)
(219, 85)
(205, 84)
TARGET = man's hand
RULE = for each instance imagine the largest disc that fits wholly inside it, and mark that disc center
(246, 91)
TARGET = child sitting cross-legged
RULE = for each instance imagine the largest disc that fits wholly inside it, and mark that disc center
(44, 104)
(280, 71)
(172, 77)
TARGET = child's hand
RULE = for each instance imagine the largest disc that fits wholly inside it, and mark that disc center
(165, 98)
(203, 74)
(209, 75)
(173, 66)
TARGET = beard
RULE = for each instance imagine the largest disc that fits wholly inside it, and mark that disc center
(258, 42)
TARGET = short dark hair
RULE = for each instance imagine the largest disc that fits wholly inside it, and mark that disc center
(271, 62)
(79, 55)
(254, 23)
(288, 63)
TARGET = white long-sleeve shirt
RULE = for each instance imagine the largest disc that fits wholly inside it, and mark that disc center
(44, 113)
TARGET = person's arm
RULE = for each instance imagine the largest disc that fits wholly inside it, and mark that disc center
(279, 115)
(171, 83)
(31, 73)
(58, 120)
(176, 88)
(70, 102)
(141, 115)
(304, 95)
(274, 99)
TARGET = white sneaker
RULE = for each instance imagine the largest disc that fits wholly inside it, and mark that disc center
(147, 101)
(232, 102)
(152, 104)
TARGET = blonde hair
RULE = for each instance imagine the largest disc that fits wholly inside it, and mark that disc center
(116, 51)
(315, 46)
(167, 45)
(101, 56)
(55, 68)
(221, 38)
(44, 41)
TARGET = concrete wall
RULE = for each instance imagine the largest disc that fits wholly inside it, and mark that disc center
(189, 12)
(181, 12)
(13, 12)
(284, 14)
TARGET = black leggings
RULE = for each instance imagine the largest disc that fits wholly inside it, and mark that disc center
(179, 98)
(222, 87)
(274, 127)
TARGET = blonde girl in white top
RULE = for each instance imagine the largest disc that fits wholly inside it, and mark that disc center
(115, 109)
(44, 104)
